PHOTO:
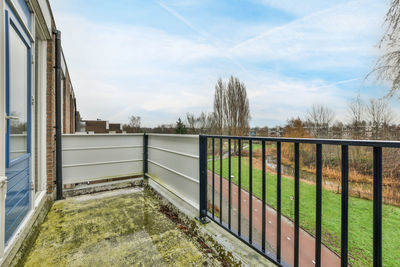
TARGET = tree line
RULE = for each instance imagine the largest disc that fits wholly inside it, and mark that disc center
(230, 115)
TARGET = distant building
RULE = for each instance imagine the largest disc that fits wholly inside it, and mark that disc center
(101, 127)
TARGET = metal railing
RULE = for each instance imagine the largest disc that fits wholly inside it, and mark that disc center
(277, 256)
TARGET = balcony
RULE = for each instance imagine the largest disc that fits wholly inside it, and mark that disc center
(250, 209)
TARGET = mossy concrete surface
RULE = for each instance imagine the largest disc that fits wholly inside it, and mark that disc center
(128, 229)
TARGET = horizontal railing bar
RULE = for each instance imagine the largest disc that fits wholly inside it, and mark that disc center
(174, 152)
(176, 172)
(173, 135)
(347, 142)
(101, 178)
(104, 134)
(101, 163)
(100, 147)
(256, 247)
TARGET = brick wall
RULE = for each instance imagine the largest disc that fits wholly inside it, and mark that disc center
(68, 108)
(116, 127)
(51, 118)
(96, 126)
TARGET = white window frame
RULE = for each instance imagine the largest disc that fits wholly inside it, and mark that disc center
(39, 129)
(3, 179)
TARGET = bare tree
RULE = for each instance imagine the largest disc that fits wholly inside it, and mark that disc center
(388, 65)
(201, 124)
(191, 121)
(133, 125)
(357, 114)
(219, 99)
(237, 108)
(243, 111)
(319, 119)
(231, 107)
(381, 116)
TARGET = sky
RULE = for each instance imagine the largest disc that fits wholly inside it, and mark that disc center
(161, 59)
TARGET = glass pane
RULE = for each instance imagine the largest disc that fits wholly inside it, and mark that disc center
(18, 95)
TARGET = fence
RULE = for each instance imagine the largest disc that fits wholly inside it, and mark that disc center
(170, 160)
(92, 157)
(277, 257)
(173, 161)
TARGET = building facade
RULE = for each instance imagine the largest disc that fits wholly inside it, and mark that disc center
(28, 116)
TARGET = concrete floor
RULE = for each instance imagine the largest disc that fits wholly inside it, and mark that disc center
(127, 227)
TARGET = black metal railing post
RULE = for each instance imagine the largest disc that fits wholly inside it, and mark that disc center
(203, 179)
(221, 157)
(377, 207)
(230, 184)
(239, 186)
(145, 154)
(296, 202)
(345, 206)
(250, 191)
(318, 212)
(264, 196)
(278, 200)
(213, 178)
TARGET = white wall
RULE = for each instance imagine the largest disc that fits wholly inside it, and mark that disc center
(173, 162)
(90, 157)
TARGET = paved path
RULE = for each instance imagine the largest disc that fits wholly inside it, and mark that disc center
(306, 241)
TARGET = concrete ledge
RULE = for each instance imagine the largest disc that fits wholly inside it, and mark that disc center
(100, 187)
(238, 249)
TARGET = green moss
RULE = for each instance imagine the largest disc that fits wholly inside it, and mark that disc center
(122, 230)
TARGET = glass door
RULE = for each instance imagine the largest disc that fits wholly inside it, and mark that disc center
(18, 115)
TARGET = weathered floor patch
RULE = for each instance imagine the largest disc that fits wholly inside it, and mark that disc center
(120, 230)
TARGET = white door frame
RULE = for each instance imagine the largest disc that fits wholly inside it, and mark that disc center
(3, 178)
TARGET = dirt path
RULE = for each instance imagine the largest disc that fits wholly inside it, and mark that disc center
(307, 242)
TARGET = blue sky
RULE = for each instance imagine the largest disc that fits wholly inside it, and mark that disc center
(161, 59)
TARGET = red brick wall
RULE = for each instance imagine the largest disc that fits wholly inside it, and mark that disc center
(68, 106)
(96, 126)
(51, 118)
(68, 114)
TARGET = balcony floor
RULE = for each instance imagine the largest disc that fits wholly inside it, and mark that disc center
(127, 227)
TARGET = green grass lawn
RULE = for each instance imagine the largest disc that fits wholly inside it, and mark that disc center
(360, 214)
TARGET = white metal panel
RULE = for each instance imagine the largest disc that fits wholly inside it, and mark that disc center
(183, 164)
(186, 189)
(174, 163)
(188, 144)
(96, 157)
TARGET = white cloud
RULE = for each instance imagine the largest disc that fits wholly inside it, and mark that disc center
(277, 98)
(119, 67)
(339, 36)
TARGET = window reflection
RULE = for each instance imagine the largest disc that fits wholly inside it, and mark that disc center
(18, 95)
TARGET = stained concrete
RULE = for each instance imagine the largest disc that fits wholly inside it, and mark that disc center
(129, 227)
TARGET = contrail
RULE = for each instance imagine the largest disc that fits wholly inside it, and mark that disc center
(294, 22)
(203, 34)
